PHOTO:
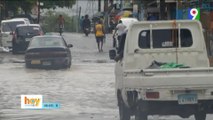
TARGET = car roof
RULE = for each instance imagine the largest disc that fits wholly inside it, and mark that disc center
(15, 19)
(54, 36)
(20, 19)
(23, 25)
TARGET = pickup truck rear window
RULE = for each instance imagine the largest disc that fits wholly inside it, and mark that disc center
(164, 38)
(28, 30)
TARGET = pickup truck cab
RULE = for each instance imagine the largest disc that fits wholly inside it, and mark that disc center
(144, 86)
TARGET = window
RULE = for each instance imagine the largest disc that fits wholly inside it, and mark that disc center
(164, 38)
(47, 42)
(28, 30)
(10, 26)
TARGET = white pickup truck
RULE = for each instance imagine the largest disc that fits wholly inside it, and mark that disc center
(164, 71)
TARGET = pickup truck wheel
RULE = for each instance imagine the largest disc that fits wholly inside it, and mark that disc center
(200, 116)
(124, 112)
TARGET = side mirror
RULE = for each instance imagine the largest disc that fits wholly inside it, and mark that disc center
(69, 45)
(112, 54)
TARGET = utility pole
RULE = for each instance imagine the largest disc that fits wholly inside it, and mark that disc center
(106, 14)
(121, 4)
(162, 10)
(79, 17)
(99, 5)
(77, 21)
(38, 4)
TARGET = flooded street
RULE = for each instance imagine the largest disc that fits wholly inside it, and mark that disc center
(84, 92)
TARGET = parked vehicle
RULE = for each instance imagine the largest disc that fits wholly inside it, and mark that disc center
(22, 36)
(165, 71)
(7, 29)
(48, 51)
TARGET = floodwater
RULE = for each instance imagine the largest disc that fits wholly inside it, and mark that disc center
(85, 91)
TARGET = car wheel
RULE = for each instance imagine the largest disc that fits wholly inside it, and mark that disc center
(200, 116)
(27, 65)
(69, 65)
(14, 50)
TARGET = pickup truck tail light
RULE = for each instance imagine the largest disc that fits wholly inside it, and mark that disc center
(152, 95)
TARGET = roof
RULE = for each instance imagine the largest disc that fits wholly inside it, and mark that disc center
(56, 36)
(15, 19)
(34, 25)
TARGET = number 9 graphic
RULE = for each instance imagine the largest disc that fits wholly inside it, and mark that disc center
(194, 13)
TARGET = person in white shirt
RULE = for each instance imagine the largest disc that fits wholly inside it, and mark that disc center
(119, 30)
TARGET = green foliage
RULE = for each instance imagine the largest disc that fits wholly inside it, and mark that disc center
(26, 5)
(60, 3)
(49, 22)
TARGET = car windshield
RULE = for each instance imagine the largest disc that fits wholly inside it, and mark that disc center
(10, 26)
(28, 30)
(47, 42)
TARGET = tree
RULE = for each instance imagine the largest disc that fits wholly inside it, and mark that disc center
(60, 3)
(26, 5)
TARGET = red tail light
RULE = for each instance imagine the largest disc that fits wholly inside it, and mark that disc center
(152, 95)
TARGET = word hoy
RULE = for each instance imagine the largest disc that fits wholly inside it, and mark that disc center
(31, 101)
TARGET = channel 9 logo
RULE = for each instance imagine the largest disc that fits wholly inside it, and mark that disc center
(194, 14)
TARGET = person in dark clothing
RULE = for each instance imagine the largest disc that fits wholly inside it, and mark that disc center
(120, 50)
(86, 25)
(151, 17)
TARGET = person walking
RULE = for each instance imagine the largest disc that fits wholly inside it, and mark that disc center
(119, 30)
(99, 34)
(111, 25)
(60, 22)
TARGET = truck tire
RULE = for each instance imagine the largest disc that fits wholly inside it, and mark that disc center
(200, 116)
(124, 111)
